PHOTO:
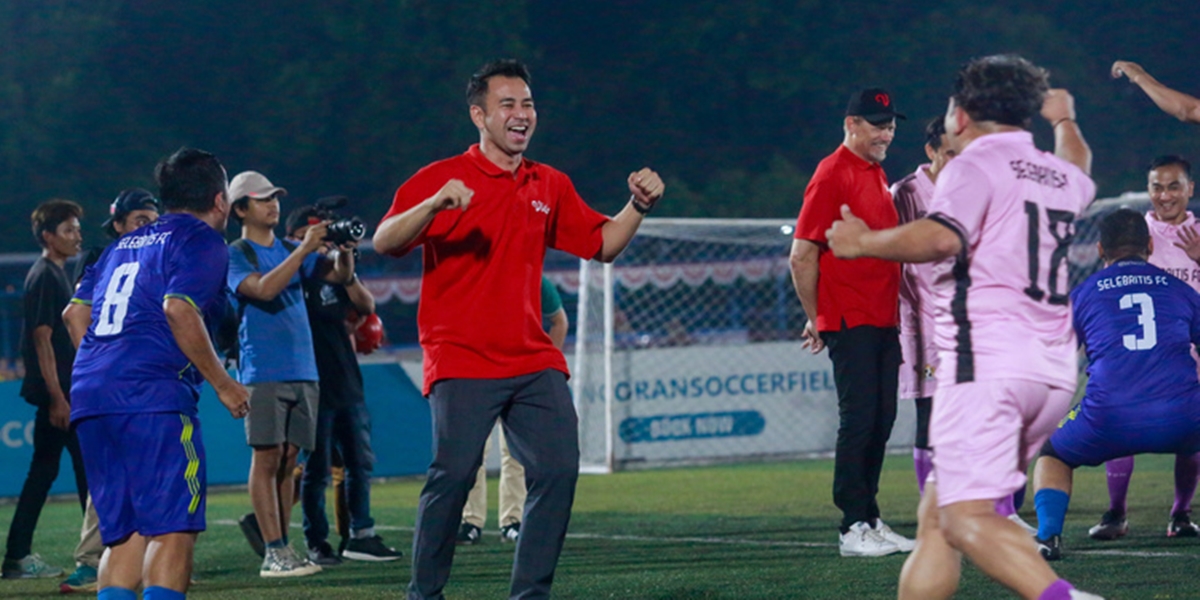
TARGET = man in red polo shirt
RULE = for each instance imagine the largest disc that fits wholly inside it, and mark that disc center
(852, 309)
(485, 219)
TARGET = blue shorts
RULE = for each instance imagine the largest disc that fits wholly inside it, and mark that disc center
(1092, 437)
(146, 473)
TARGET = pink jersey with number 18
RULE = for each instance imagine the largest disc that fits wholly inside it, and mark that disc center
(1001, 305)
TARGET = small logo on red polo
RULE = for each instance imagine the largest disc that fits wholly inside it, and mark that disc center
(883, 99)
(541, 207)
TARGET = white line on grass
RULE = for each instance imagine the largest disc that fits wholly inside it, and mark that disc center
(763, 543)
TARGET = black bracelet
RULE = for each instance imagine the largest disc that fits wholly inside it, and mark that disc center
(645, 210)
(1061, 121)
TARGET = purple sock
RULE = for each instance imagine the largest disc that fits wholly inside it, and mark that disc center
(1005, 506)
(1119, 470)
(923, 465)
(1187, 469)
(1059, 590)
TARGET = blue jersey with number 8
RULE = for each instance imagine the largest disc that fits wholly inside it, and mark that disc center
(129, 361)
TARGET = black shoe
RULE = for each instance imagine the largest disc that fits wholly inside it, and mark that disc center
(370, 549)
(510, 533)
(1181, 525)
(1050, 549)
(322, 554)
(469, 535)
(1112, 525)
(249, 525)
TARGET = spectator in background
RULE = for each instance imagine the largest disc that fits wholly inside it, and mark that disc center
(512, 474)
(851, 308)
(343, 420)
(276, 360)
(48, 353)
(133, 208)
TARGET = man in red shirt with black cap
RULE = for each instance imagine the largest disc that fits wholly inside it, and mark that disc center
(484, 219)
(852, 307)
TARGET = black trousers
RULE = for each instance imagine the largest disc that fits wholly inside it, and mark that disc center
(543, 435)
(48, 444)
(866, 368)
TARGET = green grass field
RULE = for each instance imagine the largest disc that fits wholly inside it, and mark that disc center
(743, 531)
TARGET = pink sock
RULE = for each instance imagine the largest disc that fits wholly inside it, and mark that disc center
(1187, 469)
(1005, 507)
(923, 465)
(1059, 590)
(1119, 470)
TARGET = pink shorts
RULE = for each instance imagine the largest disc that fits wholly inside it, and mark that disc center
(985, 433)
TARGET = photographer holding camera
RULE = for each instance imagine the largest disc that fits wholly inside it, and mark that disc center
(343, 420)
(276, 359)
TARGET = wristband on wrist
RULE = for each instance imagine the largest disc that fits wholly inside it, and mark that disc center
(638, 206)
(1061, 121)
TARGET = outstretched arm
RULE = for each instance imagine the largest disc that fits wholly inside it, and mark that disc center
(1173, 102)
(1059, 110)
(923, 240)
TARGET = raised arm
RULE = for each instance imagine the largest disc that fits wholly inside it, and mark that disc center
(266, 287)
(398, 231)
(1173, 102)
(646, 189)
(1069, 145)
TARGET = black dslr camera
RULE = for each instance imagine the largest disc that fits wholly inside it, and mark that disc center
(340, 231)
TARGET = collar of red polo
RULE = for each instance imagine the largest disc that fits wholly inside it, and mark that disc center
(848, 155)
(490, 168)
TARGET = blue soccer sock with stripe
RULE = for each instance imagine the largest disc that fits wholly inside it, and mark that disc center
(1051, 507)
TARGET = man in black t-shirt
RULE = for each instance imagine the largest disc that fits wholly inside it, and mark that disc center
(343, 421)
(48, 354)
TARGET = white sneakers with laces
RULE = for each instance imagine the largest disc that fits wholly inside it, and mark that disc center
(863, 540)
(901, 542)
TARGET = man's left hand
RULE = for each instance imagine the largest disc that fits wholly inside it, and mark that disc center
(845, 236)
(1191, 242)
(646, 186)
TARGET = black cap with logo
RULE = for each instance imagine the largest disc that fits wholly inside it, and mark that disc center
(874, 105)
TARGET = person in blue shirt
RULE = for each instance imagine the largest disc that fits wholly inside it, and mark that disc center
(136, 381)
(275, 356)
(1138, 324)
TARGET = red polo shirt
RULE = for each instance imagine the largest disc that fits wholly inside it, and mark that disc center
(480, 315)
(862, 291)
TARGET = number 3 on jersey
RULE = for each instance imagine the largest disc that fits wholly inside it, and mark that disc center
(1149, 336)
(1059, 222)
(116, 299)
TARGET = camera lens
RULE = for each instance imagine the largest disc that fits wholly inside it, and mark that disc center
(344, 231)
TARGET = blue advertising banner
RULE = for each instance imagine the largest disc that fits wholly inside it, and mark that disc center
(401, 433)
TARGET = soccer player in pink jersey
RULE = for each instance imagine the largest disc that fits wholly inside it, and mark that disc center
(1176, 251)
(999, 228)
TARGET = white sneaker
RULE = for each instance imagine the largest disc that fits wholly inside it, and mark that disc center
(1030, 529)
(283, 562)
(901, 542)
(1078, 595)
(862, 540)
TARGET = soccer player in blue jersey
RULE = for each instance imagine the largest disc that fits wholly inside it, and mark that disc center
(1137, 323)
(137, 380)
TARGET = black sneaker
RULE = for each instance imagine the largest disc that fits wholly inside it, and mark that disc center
(249, 525)
(510, 533)
(370, 549)
(469, 535)
(322, 554)
(1050, 549)
(1112, 525)
(1181, 525)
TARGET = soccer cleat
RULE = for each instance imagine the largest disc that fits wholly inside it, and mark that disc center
(1030, 529)
(901, 542)
(510, 532)
(1112, 525)
(1181, 525)
(1050, 549)
(249, 525)
(283, 562)
(322, 554)
(370, 549)
(30, 567)
(862, 540)
(82, 580)
(1078, 595)
(469, 535)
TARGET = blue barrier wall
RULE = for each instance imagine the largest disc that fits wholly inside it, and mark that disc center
(401, 434)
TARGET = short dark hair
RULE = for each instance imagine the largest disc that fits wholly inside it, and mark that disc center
(1003, 88)
(1172, 159)
(52, 213)
(934, 130)
(477, 87)
(1124, 232)
(189, 180)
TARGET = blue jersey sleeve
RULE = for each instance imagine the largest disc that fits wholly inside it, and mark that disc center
(308, 269)
(239, 268)
(197, 268)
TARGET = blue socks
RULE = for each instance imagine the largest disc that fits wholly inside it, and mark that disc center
(1051, 511)
(162, 593)
(116, 593)
(277, 544)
